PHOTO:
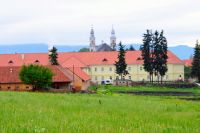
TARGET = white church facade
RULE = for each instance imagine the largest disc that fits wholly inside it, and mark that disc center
(104, 46)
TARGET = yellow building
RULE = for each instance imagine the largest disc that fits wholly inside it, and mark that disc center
(98, 66)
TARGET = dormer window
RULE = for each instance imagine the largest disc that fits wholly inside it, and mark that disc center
(10, 62)
(139, 58)
(104, 60)
(37, 62)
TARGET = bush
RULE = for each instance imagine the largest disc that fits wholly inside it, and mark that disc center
(39, 77)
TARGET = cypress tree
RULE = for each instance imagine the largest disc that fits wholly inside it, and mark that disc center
(156, 54)
(53, 56)
(162, 69)
(146, 53)
(121, 63)
(196, 62)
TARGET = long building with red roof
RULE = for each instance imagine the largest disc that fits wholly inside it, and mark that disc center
(97, 66)
(9, 78)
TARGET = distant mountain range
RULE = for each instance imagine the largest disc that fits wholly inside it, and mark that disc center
(182, 51)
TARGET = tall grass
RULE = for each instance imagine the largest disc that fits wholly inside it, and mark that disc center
(44, 112)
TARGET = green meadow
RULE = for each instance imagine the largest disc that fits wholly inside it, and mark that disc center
(28, 112)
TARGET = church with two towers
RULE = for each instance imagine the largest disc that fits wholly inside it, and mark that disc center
(103, 46)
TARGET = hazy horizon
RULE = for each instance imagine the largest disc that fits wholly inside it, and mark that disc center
(69, 21)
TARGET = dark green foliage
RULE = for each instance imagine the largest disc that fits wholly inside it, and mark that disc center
(154, 54)
(131, 48)
(53, 56)
(187, 72)
(160, 54)
(196, 62)
(39, 77)
(146, 49)
(121, 63)
(84, 50)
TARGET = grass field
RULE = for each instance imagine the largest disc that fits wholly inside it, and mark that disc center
(22, 112)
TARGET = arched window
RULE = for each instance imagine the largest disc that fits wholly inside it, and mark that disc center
(36, 61)
(104, 60)
(10, 62)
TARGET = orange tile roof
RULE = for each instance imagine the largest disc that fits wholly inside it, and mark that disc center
(79, 59)
(73, 62)
(80, 73)
(188, 62)
(10, 74)
(59, 76)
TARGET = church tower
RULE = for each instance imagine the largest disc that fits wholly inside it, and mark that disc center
(92, 41)
(113, 39)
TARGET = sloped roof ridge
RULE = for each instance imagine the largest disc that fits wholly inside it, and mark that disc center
(77, 74)
(61, 69)
(75, 58)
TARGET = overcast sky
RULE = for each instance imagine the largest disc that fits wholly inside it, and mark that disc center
(69, 21)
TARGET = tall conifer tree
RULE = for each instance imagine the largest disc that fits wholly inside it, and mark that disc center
(146, 49)
(53, 56)
(121, 63)
(156, 54)
(162, 69)
(196, 62)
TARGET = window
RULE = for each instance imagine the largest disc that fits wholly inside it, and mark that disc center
(117, 77)
(37, 62)
(8, 87)
(95, 69)
(129, 68)
(10, 62)
(102, 78)
(96, 78)
(27, 87)
(102, 69)
(110, 69)
(148, 77)
(129, 77)
(104, 60)
(167, 77)
(110, 77)
(123, 77)
(89, 70)
(141, 68)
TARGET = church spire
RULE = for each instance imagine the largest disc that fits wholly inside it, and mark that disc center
(113, 39)
(92, 40)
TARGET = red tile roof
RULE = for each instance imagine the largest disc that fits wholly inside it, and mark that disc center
(79, 59)
(59, 76)
(80, 73)
(73, 62)
(10, 74)
(188, 62)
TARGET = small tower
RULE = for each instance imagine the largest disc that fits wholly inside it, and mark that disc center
(113, 39)
(92, 41)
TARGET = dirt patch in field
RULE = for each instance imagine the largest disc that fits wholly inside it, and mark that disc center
(191, 99)
(158, 93)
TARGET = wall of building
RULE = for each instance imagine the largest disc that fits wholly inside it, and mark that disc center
(99, 73)
(77, 82)
(61, 85)
(15, 87)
